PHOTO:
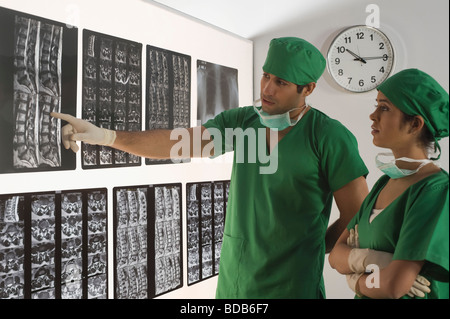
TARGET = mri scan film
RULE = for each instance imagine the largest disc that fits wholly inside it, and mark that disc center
(148, 252)
(53, 245)
(112, 75)
(206, 208)
(38, 66)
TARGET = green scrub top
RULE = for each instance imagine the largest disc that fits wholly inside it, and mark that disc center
(274, 237)
(415, 226)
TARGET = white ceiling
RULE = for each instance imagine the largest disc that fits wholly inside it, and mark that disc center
(246, 18)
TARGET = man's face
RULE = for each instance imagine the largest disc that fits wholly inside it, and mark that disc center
(278, 95)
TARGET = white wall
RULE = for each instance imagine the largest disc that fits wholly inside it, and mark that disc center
(419, 31)
(151, 24)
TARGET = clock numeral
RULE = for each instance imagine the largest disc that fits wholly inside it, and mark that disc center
(360, 35)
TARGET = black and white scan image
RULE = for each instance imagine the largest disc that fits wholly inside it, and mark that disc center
(206, 209)
(131, 243)
(12, 279)
(148, 254)
(97, 259)
(168, 89)
(167, 239)
(53, 245)
(37, 77)
(217, 89)
(112, 76)
(42, 245)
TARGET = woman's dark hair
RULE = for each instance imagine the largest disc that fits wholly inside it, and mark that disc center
(426, 139)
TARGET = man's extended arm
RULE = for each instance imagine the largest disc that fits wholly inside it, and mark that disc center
(159, 144)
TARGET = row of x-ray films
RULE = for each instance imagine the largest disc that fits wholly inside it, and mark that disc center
(147, 241)
(53, 245)
(39, 63)
(206, 208)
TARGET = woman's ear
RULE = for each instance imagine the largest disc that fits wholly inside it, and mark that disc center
(417, 124)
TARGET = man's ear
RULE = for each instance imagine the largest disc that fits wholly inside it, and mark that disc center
(309, 88)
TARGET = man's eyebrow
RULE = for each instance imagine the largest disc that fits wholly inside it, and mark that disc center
(276, 77)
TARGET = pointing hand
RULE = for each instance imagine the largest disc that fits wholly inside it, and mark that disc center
(81, 130)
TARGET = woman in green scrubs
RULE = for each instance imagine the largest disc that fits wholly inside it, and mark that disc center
(401, 232)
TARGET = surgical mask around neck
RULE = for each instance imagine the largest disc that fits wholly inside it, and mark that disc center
(277, 121)
(391, 169)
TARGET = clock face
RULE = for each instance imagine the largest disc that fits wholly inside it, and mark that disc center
(360, 58)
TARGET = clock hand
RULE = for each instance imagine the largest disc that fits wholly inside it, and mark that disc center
(358, 58)
(371, 58)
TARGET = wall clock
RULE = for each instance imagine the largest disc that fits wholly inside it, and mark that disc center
(360, 58)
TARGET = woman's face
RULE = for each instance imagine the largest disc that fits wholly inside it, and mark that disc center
(389, 129)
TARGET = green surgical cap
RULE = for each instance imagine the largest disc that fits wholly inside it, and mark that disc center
(416, 93)
(294, 60)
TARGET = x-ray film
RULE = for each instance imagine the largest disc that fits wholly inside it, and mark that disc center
(147, 241)
(54, 245)
(112, 76)
(168, 91)
(38, 66)
(206, 207)
(217, 90)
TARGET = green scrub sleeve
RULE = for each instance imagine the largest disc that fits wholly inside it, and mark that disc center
(340, 159)
(217, 126)
(425, 231)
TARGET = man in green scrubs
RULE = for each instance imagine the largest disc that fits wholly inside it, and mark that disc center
(274, 239)
(276, 228)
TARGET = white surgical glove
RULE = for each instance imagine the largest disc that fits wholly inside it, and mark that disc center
(81, 130)
(420, 287)
(353, 238)
(361, 258)
(352, 282)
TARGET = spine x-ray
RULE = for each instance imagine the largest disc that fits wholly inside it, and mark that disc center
(206, 209)
(111, 94)
(53, 245)
(38, 71)
(168, 92)
(148, 252)
(217, 90)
